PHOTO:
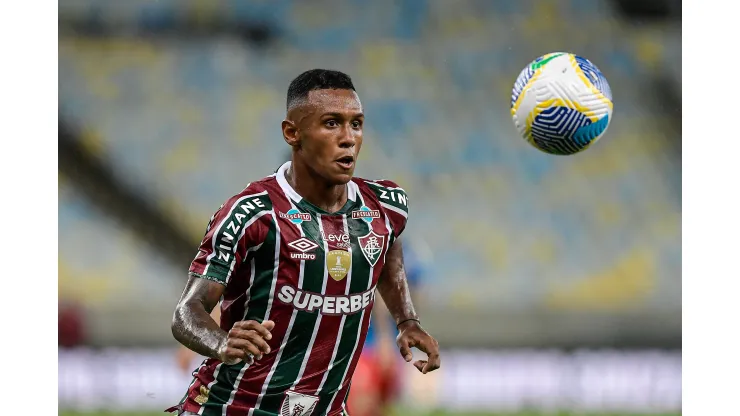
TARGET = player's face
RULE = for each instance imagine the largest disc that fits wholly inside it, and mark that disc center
(330, 133)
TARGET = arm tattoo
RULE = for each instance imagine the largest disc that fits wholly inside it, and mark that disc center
(192, 324)
(394, 288)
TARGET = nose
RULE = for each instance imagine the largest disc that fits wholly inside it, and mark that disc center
(347, 140)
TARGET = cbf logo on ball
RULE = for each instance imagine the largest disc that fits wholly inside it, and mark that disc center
(561, 103)
(295, 216)
(366, 214)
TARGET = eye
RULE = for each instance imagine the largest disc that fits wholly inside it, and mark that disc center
(331, 123)
(356, 124)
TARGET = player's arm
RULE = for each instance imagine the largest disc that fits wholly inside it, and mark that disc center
(185, 355)
(192, 324)
(194, 327)
(219, 256)
(394, 290)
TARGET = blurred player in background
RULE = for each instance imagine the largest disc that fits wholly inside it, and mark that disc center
(295, 259)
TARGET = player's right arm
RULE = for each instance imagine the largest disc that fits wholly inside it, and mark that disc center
(193, 326)
(235, 228)
(185, 356)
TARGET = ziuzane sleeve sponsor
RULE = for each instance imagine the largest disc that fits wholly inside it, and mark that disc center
(394, 201)
(239, 226)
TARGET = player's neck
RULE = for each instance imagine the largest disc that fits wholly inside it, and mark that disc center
(329, 197)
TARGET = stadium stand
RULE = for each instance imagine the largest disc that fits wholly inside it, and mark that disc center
(189, 121)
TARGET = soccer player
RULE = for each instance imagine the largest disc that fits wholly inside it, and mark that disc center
(295, 259)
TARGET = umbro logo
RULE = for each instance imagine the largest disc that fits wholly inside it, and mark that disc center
(304, 245)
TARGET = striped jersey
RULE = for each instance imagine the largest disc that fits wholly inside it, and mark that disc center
(314, 274)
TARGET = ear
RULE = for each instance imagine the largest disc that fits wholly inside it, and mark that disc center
(290, 133)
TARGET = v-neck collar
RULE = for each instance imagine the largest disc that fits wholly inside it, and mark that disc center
(352, 192)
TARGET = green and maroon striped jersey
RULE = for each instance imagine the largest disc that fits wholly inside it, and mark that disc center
(314, 274)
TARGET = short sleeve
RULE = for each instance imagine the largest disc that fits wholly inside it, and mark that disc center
(237, 226)
(395, 203)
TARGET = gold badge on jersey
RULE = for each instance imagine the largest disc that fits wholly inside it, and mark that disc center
(338, 263)
(203, 396)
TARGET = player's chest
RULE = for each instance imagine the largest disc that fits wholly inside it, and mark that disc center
(341, 242)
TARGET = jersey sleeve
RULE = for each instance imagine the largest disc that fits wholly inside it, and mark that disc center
(238, 226)
(395, 203)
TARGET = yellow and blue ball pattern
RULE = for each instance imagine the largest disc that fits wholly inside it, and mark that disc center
(561, 103)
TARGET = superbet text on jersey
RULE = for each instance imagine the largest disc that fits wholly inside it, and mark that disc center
(311, 272)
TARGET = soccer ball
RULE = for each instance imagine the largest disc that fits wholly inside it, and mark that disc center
(561, 103)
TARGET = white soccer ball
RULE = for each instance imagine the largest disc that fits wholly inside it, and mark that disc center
(561, 103)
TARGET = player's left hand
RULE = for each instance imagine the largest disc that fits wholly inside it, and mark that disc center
(410, 335)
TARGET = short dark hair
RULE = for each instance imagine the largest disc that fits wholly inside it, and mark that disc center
(316, 79)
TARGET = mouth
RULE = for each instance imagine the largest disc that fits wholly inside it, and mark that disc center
(346, 162)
